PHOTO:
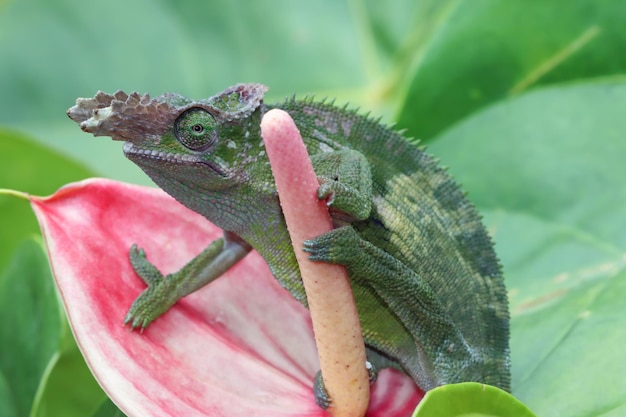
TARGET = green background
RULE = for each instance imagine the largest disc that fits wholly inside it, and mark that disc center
(525, 101)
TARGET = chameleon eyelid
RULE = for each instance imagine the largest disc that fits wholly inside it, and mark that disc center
(196, 140)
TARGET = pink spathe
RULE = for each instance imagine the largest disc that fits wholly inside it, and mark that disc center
(241, 346)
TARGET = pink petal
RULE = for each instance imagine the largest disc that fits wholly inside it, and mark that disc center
(241, 346)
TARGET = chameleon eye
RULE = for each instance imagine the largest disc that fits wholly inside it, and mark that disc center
(195, 129)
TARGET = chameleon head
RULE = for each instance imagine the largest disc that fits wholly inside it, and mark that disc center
(193, 139)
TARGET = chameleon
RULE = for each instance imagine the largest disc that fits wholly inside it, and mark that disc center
(428, 285)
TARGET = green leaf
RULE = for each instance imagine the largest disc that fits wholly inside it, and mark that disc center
(108, 409)
(547, 169)
(484, 51)
(71, 390)
(470, 399)
(31, 330)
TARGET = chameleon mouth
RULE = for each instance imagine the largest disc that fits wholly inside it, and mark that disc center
(135, 153)
(131, 150)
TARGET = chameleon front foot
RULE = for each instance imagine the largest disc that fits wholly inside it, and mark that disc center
(164, 291)
(146, 271)
(154, 300)
(339, 246)
(322, 399)
(151, 303)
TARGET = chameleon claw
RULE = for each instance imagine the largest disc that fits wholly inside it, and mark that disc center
(322, 399)
(146, 271)
(371, 371)
(326, 192)
(317, 252)
(336, 246)
(135, 322)
(149, 305)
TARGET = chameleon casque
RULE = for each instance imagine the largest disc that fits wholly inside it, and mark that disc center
(427, 283)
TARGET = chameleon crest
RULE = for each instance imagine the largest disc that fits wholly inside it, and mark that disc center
(427, 283)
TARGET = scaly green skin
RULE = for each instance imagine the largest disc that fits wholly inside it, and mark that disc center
(427, 282)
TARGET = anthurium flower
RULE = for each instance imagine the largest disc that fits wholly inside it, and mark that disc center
(241, 346)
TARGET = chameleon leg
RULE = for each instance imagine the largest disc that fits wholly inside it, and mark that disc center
(345, 182)
(410, 298)
(164, 291)
(322, 398)
(319, 390)
(146, 271)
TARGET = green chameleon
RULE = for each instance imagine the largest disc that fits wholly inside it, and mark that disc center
(427, 283)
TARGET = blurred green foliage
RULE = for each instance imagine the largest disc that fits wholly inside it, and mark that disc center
(524, 100)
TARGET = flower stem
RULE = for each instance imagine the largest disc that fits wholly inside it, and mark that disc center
(6, 191)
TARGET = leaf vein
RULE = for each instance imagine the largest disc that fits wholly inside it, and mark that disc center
(579, 318)
(555, 60)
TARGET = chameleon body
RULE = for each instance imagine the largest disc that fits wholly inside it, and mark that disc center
(427, 283)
